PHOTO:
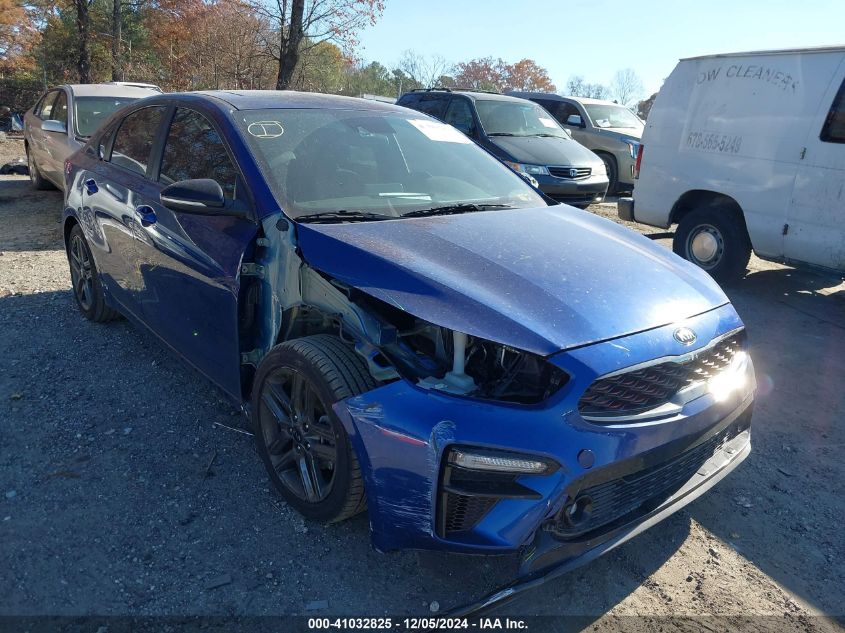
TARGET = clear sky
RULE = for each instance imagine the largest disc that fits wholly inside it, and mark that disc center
(595, 38)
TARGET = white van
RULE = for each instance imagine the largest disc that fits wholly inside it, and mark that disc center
(747, 151)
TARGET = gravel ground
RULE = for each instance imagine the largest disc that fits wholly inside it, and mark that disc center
(123, 492)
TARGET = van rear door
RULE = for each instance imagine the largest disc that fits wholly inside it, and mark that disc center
(816, 218)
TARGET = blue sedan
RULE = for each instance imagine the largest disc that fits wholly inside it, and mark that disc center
(410, 327)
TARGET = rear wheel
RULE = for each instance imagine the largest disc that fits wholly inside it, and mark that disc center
(715, 239)
(38, 181)
(87, 287)
(301, 441)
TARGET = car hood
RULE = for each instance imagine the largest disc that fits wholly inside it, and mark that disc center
(541, 280)
(621, 133)
(541, 150)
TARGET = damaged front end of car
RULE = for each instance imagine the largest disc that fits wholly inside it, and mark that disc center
(523, 445)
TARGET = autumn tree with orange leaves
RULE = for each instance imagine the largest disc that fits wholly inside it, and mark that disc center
(499, 76)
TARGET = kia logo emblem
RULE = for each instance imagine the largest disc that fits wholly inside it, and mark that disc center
(573, 172)
(684, 336)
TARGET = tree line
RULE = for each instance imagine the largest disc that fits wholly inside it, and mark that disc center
(242, 44)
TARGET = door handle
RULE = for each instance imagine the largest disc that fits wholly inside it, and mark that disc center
(146, 213)
(91, 186)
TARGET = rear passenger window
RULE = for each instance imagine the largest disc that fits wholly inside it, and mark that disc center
(135, 138)
(194, 149)
(834, 126)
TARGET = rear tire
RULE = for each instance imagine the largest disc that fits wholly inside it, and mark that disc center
(304, 447)
(85, 280)
(38, 181)
(715, 239)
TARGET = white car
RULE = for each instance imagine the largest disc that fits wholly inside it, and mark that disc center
(747, 151)
(63, 119)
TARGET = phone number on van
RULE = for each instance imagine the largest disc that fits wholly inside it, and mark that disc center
(714, 142)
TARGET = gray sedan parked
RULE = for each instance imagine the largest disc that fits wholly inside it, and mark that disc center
(64, 118)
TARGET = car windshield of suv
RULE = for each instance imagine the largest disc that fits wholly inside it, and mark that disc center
(90, 112)
(511, 118)
(603, 115)
(384, 164)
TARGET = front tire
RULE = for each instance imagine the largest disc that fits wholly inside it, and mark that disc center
(304, 447)
(38, 181)
(612, 173)
(715, 239)
(85, 279)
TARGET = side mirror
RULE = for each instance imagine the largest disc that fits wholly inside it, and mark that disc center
(575, 119)
(51, 125)
(203, 196)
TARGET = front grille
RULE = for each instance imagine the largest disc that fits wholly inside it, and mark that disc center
(636, 391)
(463, 512)
(642, 491)
(564, 172)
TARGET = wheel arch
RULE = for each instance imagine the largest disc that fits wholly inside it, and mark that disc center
(696, 198)
(69, 222)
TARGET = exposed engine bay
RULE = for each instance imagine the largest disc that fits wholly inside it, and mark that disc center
(434, 357)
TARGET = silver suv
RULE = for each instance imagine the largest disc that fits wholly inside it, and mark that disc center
(64, 118)
(610, 130)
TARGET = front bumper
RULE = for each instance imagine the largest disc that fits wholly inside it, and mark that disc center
(403, 433)
(584, 192)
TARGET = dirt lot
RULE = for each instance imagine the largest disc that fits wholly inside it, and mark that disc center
(122, 492)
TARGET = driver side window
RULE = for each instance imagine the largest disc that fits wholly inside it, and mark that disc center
(459, 115)
(194, 149)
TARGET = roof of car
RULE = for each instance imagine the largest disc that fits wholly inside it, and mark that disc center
(271, 99)
(474, 95)
(110, 90)
(556, 97)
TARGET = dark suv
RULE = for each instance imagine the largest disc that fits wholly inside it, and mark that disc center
(522, 135)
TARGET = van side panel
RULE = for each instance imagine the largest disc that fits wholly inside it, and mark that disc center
(816, 217)
(735, 125)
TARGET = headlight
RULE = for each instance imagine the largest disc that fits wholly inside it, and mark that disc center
(600, 169)
(633, 148)
(534, 170)
(736, 377)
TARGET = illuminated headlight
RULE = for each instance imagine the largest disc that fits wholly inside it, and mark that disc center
(737, 377)
(498, 462)
(633, 148)
(533, 170)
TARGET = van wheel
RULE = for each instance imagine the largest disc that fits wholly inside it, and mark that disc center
(301, 441)
(612, 173)
(38, 181)
(715, 239)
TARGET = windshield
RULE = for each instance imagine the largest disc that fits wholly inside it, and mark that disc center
(613, 116)
(511, 118)
(386, 163)
(90, 112)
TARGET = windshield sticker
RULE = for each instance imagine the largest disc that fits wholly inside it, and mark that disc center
(266, 129)
(548, 122)
(439, 131)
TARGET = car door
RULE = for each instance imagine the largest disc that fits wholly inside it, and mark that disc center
(113, 189)
(56, 143)
(190, 263)
(815, 231)
(37, 149)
